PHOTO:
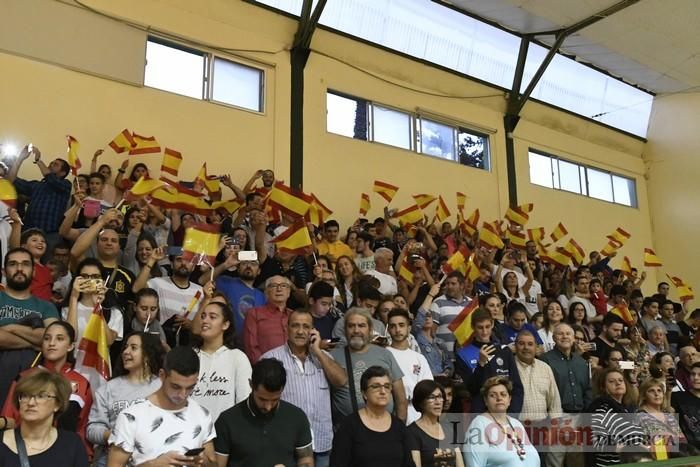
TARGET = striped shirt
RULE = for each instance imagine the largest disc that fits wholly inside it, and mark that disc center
(445, 310)
(308, 389)
(612, 424)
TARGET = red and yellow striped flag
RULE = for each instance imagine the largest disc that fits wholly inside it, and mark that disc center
(293, 202)
(517, 238)
(473, 272)
(145, 186)
(144, 145)
(624, 312)
(230, 206)
(574, 251)
(536, 234)
(385, 190)
(410, 215)
(407, 270)
(457, 261)
(609, 249)
(211, 183)
(519, 214)
(364, 204)
(488, 236)
(73, 159)
(423, 201)
(170, 164)
(202, 240)
(122, 142)
(650, 259)
(441, 211)
(471, 225)
(92, 357)
(558, 233)
(557, 256)
(461, 201)
(8, 193)
(626, 266)
(685, 292)
(619, 235)
(318, 212)
(295, 240)
(461, 326)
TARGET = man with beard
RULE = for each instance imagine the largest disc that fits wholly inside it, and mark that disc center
(607, 340)
(23, 318)
(241, 294)
(414, 366)
(264, 430)
(310, 371)
(359, 355)
(174, 294)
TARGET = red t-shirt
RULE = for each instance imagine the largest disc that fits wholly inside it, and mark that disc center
(42, 282)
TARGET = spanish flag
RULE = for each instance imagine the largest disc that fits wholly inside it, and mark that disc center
(145, 186)
(650, 259)
(294, 203)
(488, 236)
(410, 215)
(624, 312)
(574, 251)
(92, 357)
(461, 326)
(385, 190)
(457, 261)
(557, 257)
(626, 266)
(178, 197)
(558, 233)
(364, 204)
(609, 249)
(441, 211)
(170, 164)
(536, 234)
(144, 145)
(73, 159)
(8, 193)
(517, 238)
(230, 206)
(619, 235)
(423, 201)
(407, 270)
(202, 240)
(685, 292)
(473, 272)
(519, 214)
(658, 449)
(211, 183)
(122, 142)
(461, 201)
(295, 240)
(471, 225)
(318, 212)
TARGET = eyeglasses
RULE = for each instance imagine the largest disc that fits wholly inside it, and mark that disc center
(377, 387)
(435, 397)
(41, 397)
(278, 286)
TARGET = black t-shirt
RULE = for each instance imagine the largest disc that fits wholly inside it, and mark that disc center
(355, 445)
(603, 349)
(687, 406)
(66, 451)
(687, 334)
(119, 283)
(256, 440)
(325, 325)
(431, 453)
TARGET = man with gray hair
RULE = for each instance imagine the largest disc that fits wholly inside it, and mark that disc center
(355, 358)
(383, 259)
(265, 327)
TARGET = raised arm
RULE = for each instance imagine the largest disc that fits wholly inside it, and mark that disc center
(229, 183)
(258, 221)
(145, 273)
(93, 163)
(251, 183)
(335, 374)
(23, 155)
(82, 244)
(66, 229)
(16, 228)
(120, 173)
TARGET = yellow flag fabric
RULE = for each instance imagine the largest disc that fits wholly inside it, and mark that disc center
(473, 272)
(574, 251)
(202, 239)
(364, 204)
(385, 190)
(8, 193)
(626, 266)
(519, 214)
(92, 359)
(295, 239)
(489, 237)
(410, 215)
(122, 142)
(145, 186)
(471, 225)
(624, 312)
(609, 249)
(650, 259)
(212, 184)
(290, 201)
(73, 159)
(423, 201)
(144, 145)
(558, 232)
(620, 236)
(318, 212)
(406, 270)
(441, 211)
(457, 261)
(685, 292)
(461, 201)
(517, 238)
(461, 326)
(171, 162)
(536, 234)
(230, 206)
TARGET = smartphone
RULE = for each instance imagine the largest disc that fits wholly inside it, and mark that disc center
(247, 256)
(333, 340)
(592, 347)
(194, 452)
(626, 365)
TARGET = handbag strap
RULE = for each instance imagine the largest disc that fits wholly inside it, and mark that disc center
(21, 449)
(351, 379)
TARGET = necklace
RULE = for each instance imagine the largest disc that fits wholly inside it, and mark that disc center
(46, 443)
(512, 437)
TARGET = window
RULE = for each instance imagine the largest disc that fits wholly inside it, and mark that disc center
(551, 172)
(185, 71)
(358, 118)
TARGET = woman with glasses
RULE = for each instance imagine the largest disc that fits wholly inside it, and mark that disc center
(494, 438)
(426, 433)
(57, 356)
(372, 437)
(40, 398)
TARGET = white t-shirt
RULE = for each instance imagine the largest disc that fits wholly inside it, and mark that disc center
(415, 369)
(223, 380)
(531, 302)
(387, 283)
(116, 321)
(147, 431)
(174, 300)
(365, 264)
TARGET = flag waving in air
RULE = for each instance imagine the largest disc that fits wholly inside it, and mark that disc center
(288, 200)
(519, 214)
(558, 232)
(73, 160)
(624, 312)
(441, 211)
(650, 259)
(385, 190)
(364, 204)
(144, 145)
(8, 193)
(92, 357)
(461, 326)
(202, 240)
(461, 201)
(423, 201)
(295, 240)
(122, 142)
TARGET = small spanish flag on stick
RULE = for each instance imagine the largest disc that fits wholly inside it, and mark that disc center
(122, 142)
(441, 211)
(385, 190)
(650, 259)
(461, 326)
(364, 204)
(73, 159)
(519, 214)
(295, 240)
(423, 201)
(626, 266)
(461, 201)
(144, 145)
(558, 232)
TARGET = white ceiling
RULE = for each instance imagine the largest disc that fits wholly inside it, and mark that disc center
(654, 44)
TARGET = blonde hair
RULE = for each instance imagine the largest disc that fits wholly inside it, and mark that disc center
(648, 384)
(43, 380)
(496, 381)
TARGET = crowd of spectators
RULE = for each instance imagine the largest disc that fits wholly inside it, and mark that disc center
(267, 357)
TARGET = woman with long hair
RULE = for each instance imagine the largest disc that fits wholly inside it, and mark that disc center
(136, 377)
(57, 347)
(577, 316)
(40, 398)
(508, 283)
(145, 246)
(553, 315)
(656, 417)
(146, 312)
(137, 171)
(348, 274)
(224, 371)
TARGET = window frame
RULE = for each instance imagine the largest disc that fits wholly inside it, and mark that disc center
(584, 190)
(208, 75)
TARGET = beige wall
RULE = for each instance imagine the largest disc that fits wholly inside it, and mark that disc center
(47, 102)
(673, 174)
